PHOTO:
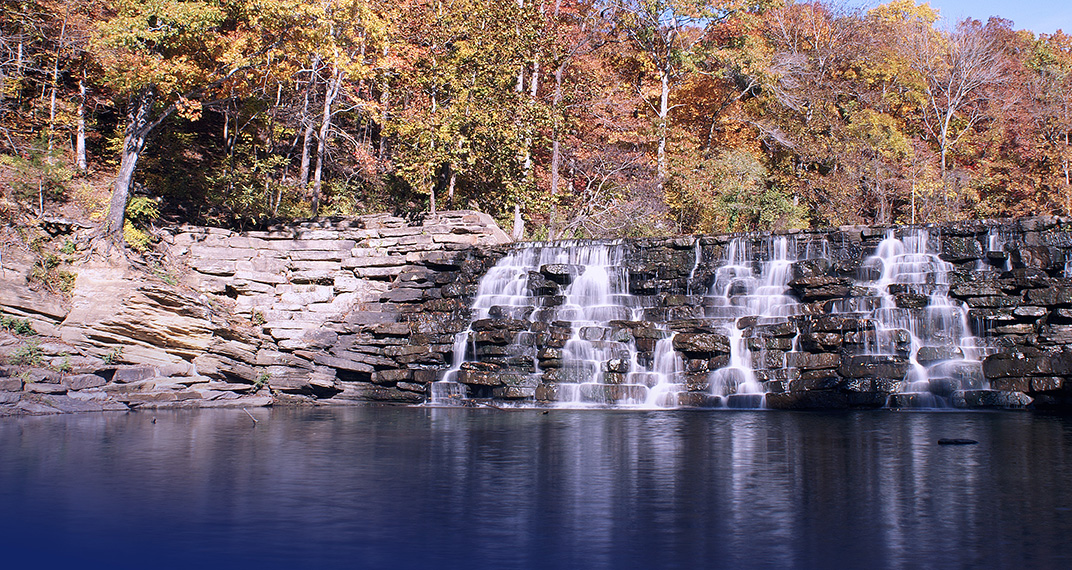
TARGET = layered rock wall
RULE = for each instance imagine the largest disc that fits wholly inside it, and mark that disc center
(335, 309)
(368, 310)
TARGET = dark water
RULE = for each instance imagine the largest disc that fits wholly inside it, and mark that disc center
(423, 488)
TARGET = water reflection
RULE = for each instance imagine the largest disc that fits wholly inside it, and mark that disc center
(455, 488)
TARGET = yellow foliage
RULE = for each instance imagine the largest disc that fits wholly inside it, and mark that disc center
(138, 240)
(904, 11)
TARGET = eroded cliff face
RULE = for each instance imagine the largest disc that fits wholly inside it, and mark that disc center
(378, 309)
(332, 310)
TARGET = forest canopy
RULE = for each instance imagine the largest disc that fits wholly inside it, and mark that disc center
(569, 118)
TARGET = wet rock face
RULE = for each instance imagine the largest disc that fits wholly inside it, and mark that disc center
(853, 337)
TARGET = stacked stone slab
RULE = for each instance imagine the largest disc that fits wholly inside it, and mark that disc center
(104, 387)
(333, 310)
(1018, 294)
(367, 309)
(350, 308)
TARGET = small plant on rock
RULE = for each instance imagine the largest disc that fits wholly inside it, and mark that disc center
(262, 379)
(28, 354)
(113, 357)
(165, 275)
(17, 326)
(46, 273)
(65, 365)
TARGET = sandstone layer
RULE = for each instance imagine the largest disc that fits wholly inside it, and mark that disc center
(367, 310)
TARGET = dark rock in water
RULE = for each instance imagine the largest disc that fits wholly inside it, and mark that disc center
(956, 441)
(912, 300)
(1003, 365)
(880, 366)
(810, 361)
(989, 399)
(698, 400)
(820, 288)
(811, 268)
(479, 377)
(820, 342)
(928, 354)
(825, 399)
(1027, 278)
(702, 343)
(1034, 257)
(541, 285)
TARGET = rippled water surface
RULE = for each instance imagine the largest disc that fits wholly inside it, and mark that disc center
(456, 488)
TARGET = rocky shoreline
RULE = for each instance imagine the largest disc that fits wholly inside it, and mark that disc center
(366, 310)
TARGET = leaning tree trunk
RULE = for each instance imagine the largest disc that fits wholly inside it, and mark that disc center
(137, 130)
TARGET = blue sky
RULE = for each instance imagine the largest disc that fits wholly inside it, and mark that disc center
(1039, 16)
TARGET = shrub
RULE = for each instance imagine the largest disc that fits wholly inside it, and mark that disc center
(28, 354)
(46, 273)
(17, 326)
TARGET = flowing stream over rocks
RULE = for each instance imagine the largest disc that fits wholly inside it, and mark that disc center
(748, 321)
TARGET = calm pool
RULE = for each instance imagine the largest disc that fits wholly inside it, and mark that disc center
(461, 488)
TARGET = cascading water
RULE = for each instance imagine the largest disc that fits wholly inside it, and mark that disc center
(718, 323)
(737, 293)
(502, 289)
(595, 292)
(597, 295)
(912, 285)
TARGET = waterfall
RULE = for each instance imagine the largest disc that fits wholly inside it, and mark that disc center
(718, 322)
(912, 287)
(745, 294)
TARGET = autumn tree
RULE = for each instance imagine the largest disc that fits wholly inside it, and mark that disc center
(1051, 90)
(667, 34)
(165, 57)
(954, 70)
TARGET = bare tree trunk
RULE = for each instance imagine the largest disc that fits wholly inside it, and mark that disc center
(325, 126)
(52, 110)
(229, 139)
(664, 111)
(556, 147)
(519, 223)
(80, 162)
(431, 196)
(385, 91)
(55, 85)
(450, 188)
(303, 172)
(137, 130)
